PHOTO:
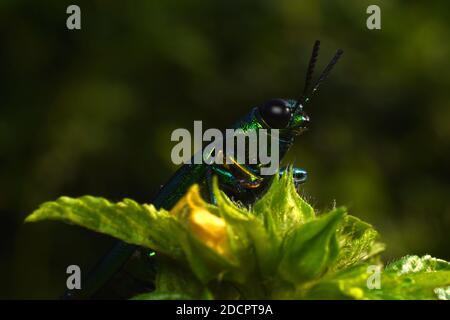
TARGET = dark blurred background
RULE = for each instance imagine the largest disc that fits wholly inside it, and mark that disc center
(91, 112)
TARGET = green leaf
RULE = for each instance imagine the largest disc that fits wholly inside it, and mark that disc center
(206, 242)
(205, 263)
(129, 221)
(419, 278)
(409, 278)
(346, 284)
(442, 293)
(281, 208)
(249, 239)
(311, 248)
(357, 241)
(280, 249)
(412, 264)
(158, 295)
(174, 282)
(237, 219)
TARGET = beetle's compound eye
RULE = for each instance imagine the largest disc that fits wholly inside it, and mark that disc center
(276, 114)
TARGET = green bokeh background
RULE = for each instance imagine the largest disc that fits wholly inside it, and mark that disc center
(91, 112)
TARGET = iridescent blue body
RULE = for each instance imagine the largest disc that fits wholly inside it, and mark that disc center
(128, 270)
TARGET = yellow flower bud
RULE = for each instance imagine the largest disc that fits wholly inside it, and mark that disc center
(210, 229)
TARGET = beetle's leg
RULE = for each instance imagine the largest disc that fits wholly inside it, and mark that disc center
(226, 177)
(237, 175)
(245, 175)
(298, 174)
(209, 185)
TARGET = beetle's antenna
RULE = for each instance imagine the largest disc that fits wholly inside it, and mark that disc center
(326, 72)
(309, 73)
(312, 62)
(311, 65)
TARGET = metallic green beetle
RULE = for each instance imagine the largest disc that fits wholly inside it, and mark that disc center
(128, 270)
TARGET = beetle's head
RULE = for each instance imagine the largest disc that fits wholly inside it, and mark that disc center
(285, 115)
(288, 115)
